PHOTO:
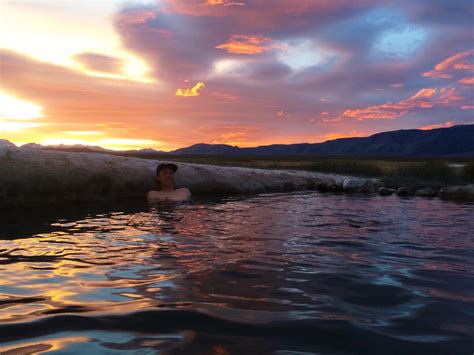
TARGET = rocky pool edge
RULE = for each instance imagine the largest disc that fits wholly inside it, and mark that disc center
(29, 176)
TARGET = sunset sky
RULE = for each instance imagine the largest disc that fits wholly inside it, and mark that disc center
(166, 74)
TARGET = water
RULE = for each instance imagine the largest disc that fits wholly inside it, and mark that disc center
(291, 273)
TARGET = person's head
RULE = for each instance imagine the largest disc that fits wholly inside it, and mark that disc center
(165, 175)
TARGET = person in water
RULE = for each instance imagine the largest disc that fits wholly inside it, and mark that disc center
(166, 192)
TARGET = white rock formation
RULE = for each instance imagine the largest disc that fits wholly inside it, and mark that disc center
(6, 144)
(33, 175)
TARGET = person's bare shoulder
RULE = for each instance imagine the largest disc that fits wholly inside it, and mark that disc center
(185, 190)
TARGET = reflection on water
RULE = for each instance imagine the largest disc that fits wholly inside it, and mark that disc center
(273, 273)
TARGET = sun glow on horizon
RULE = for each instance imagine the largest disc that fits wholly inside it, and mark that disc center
(107, 143)
(18, 109)
(13, 109)
(73, 35)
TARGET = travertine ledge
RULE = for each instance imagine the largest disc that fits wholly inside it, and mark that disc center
(29, 175)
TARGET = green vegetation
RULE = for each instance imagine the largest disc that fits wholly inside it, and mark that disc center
(393, 171)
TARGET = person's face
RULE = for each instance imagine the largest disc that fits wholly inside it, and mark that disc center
(166, 177)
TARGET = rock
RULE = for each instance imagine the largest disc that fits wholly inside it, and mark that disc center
(451, 191)
(426, 192)
(5, 148)
(465, 192)
(353, 184)
(404, 191)
(328, 185)
(45, 176)
(31, 146)
(6, 143)
(385, 191)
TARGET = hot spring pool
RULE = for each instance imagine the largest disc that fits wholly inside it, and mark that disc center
(275, 273)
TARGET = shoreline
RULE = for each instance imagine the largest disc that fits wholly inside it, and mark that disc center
(32, 176)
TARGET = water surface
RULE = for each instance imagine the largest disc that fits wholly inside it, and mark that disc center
(274, 273)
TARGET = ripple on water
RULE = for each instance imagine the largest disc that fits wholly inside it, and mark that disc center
(270, 273)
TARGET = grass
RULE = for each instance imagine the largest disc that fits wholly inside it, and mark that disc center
(393, 171)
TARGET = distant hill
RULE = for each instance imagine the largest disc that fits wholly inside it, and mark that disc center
(91, 149)
(203, 148)
(452, 141)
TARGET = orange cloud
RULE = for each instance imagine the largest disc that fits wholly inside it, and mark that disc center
(233, 138)
(455, 62)
(439, 125)
(223, 3)
(243, 136)
(190, 92)
(424, 98)
(243, 44)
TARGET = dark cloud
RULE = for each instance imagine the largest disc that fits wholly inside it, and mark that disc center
(446, 13)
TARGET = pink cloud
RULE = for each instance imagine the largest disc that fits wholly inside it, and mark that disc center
(222, 3)
(467, 81)
(137, 17)
(423, 99)
(456, 62)
(243, 136)
(264, 15)
(100, 62)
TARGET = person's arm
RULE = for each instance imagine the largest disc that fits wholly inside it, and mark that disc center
(153, 196)
(188, 193)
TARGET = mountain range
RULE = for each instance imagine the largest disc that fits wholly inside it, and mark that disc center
(452, 141)
(456, 140)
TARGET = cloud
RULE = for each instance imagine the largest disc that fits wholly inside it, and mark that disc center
(194, 91)
(139, 16)
(239, 135)
(100, 62)
(19, 109)
(244, 44)
(300, 58)
(467, 81)
(83, 133)
(426, 98)
(223, 3)
(458, 62)
(110, 143)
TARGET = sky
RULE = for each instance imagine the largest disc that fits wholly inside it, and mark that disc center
(166, 74)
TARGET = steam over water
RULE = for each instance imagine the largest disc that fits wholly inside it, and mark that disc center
(273, 273)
